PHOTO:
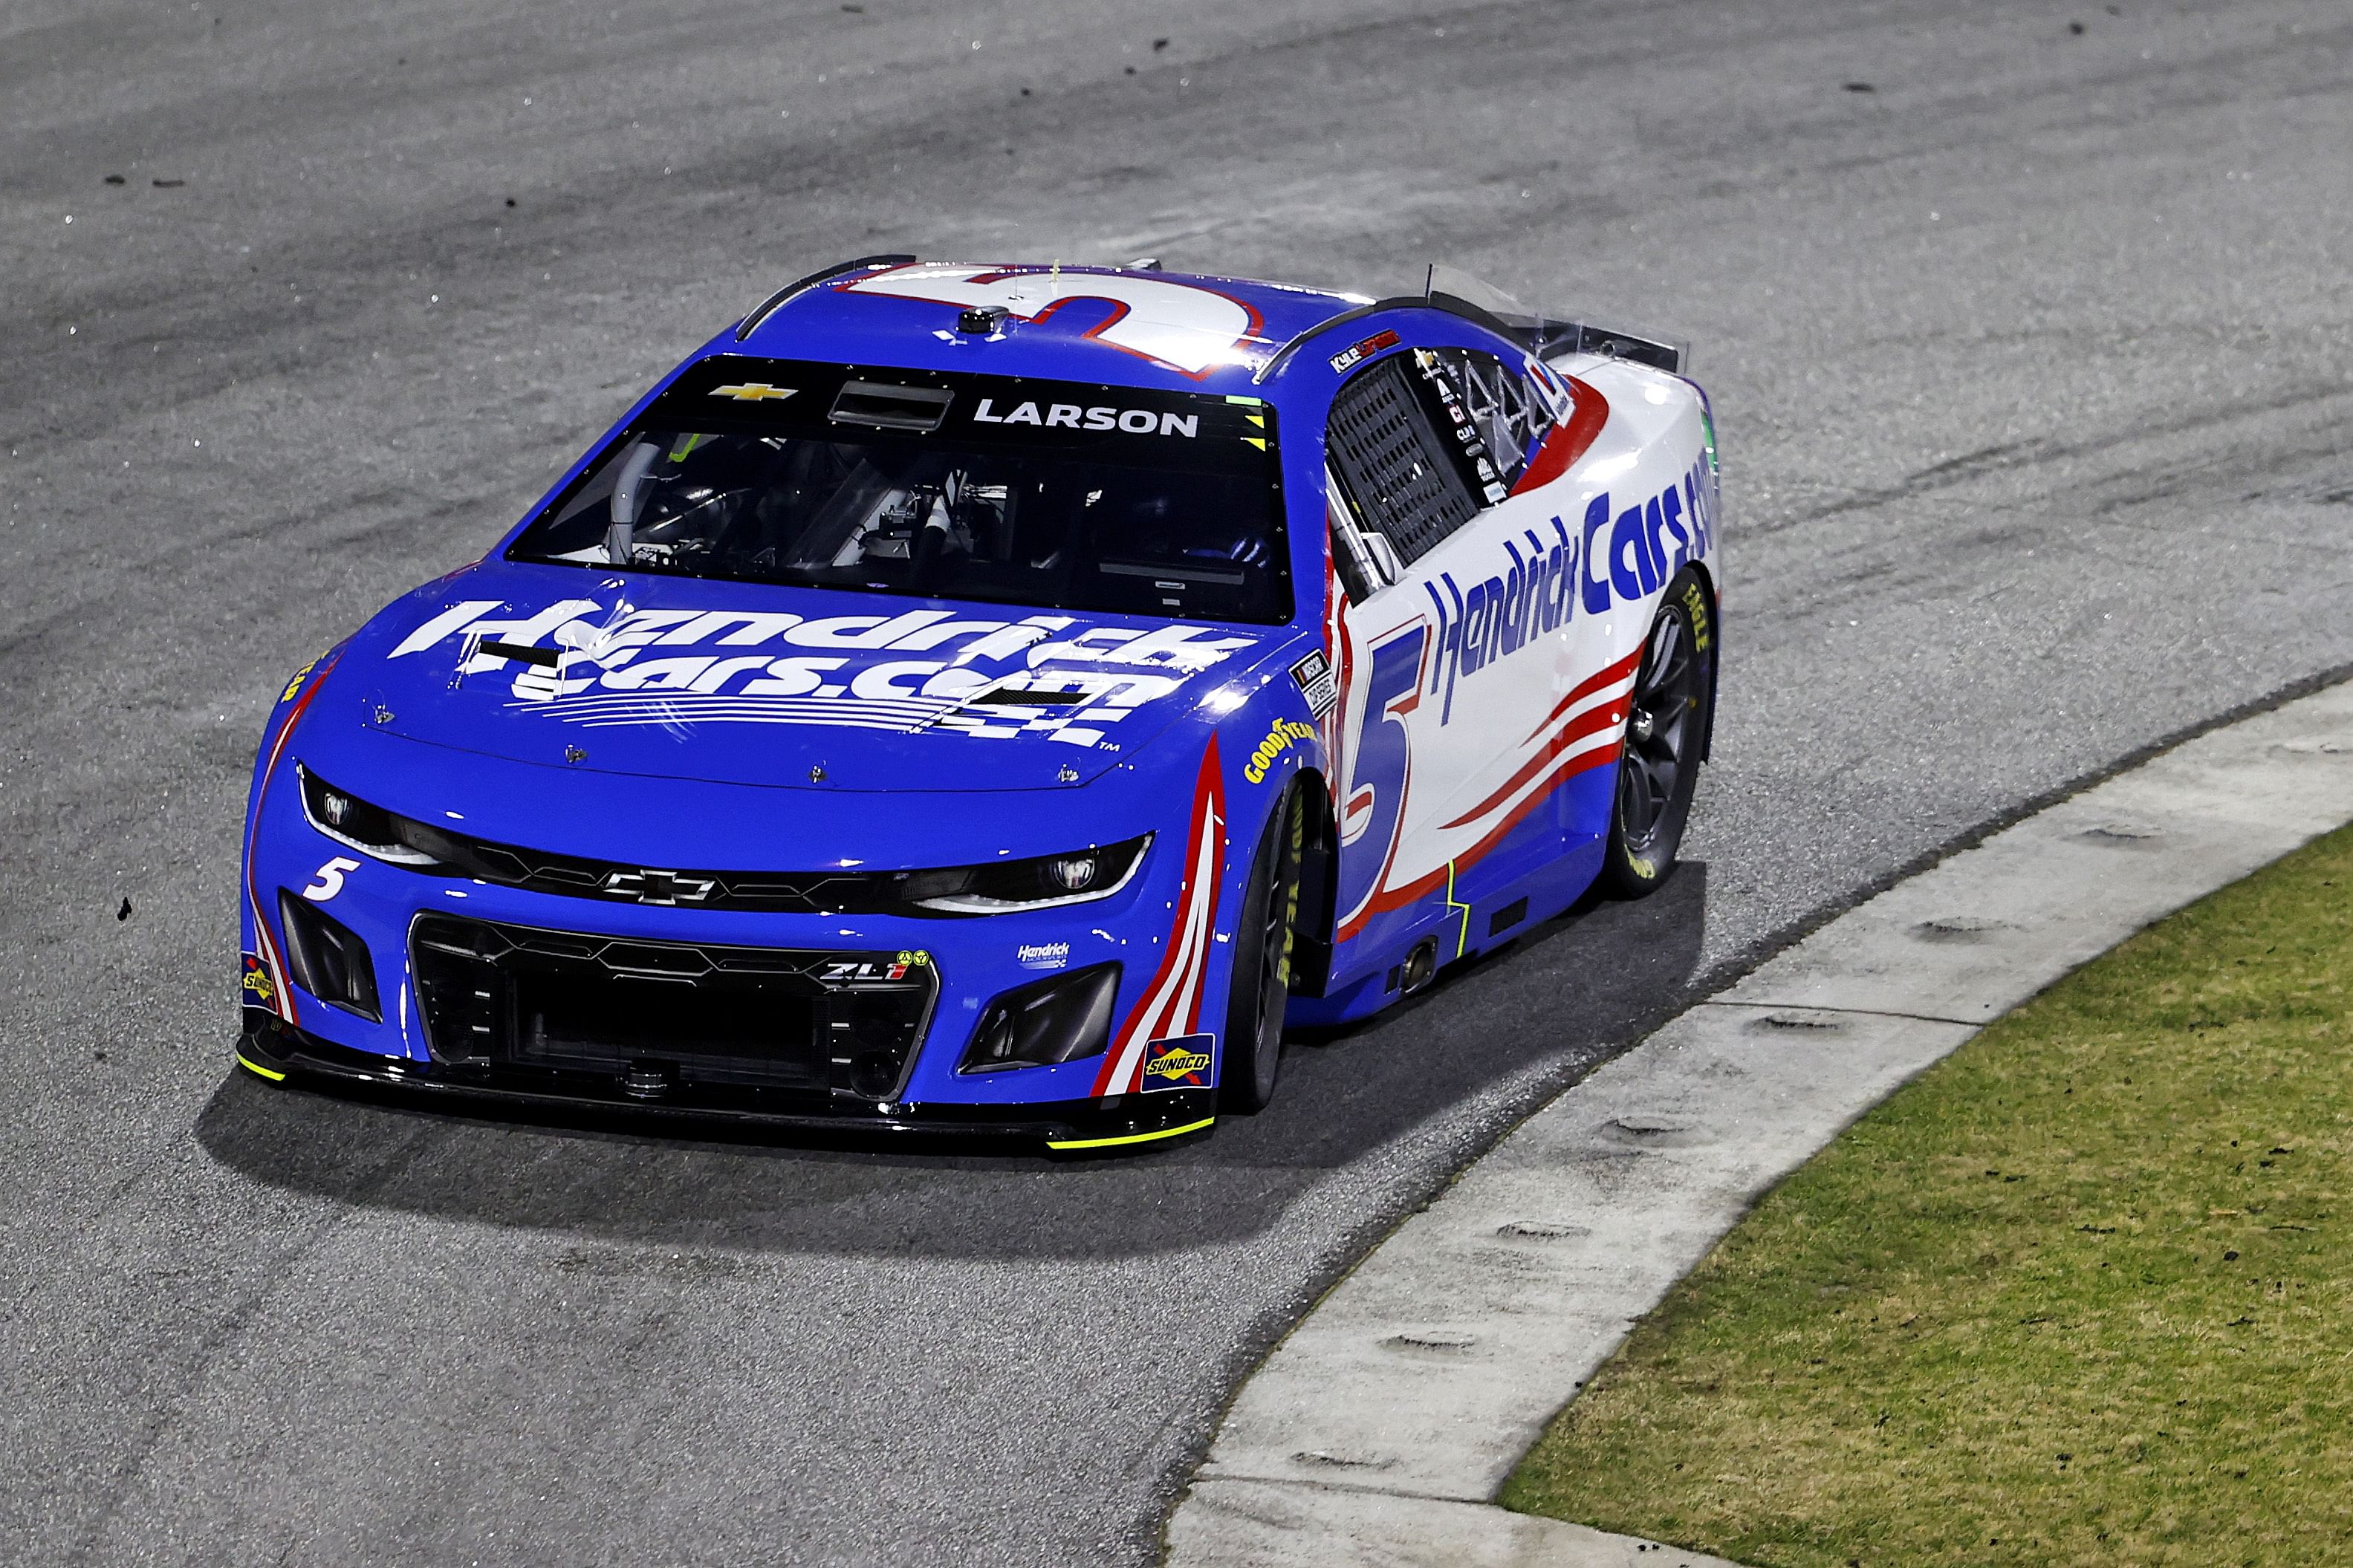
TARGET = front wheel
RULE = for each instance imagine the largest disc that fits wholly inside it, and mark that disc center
(1666, 714)
(1259, 991)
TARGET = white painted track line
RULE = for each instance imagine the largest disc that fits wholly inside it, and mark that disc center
(1378, 1431)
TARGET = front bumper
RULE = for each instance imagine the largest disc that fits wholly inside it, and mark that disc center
(277, 1051)
(795, 1018)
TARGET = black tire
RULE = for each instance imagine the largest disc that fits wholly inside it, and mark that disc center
(1260, 987)
(1666, 732)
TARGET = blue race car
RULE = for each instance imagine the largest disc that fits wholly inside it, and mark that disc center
(997, 701)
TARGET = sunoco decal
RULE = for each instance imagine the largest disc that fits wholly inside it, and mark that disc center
(1180, 1063)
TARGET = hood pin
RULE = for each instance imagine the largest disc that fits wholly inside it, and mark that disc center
(1067, 774)
(573, 754)
(817, 773)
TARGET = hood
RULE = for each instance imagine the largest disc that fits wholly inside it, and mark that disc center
(742, 683)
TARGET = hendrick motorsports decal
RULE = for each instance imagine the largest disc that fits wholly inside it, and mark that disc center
(1042, 955)
(584, 662)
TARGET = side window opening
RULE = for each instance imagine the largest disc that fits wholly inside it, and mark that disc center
(1400, 468)
(1506, 414)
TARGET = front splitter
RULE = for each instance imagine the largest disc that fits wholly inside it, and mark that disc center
(283, 1054)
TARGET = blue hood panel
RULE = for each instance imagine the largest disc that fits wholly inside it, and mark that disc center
(578, 811)
(680, 678)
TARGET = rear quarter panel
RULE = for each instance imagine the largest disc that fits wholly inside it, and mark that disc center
(1484, 696)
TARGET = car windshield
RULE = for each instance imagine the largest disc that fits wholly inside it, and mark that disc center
(1056, 495)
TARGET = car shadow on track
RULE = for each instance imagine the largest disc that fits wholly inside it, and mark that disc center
(1534, 1014)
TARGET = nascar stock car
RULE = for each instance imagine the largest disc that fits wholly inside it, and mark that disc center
(998, 699)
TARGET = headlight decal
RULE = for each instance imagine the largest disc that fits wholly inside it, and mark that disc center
(1171, 1004)
(1044, 883)
(1039, 882)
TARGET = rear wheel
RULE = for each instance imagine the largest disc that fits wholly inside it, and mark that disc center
(1259, 990)
(1665, 718)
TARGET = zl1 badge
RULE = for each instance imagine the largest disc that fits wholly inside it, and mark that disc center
(1180, 1063)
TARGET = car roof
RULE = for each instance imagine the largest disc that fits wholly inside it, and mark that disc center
(1126, 326)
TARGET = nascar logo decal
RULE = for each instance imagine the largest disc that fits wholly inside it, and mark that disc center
(1170, 1011)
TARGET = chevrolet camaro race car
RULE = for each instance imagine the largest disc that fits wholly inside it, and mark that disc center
(997, 700)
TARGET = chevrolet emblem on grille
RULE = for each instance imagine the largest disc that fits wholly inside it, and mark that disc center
(657, 887)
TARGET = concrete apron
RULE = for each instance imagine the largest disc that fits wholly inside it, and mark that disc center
(1379, 1431)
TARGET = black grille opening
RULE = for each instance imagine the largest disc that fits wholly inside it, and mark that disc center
(497, 995)
(1394, 461)
(328, 959)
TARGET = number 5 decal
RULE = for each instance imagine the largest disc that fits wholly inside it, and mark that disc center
(1375, 808)
(1187, 328)
(330, 879)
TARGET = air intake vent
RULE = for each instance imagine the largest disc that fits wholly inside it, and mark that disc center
(329, 961)
(892, 407)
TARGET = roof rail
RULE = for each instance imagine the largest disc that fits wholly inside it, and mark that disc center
(766, 307)
(1446, 302)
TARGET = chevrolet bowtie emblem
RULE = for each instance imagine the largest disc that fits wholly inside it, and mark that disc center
(659, 887)
(753, 391)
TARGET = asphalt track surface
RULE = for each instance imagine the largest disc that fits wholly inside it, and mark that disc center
(2031, 365)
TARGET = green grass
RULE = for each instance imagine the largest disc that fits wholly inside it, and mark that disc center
(2082, 1293)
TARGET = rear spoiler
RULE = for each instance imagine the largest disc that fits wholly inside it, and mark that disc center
(1550, 340)
(1548, 336)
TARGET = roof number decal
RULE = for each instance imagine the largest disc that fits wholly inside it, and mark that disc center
(1187, 329)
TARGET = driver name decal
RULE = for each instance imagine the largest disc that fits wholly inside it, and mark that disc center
(1071, 416)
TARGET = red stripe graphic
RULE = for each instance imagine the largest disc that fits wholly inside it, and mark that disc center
(1394, 898)
(283, 1001)
(1594, 720)
(1599, 680)
(1564, 444)
(1171, 1004)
